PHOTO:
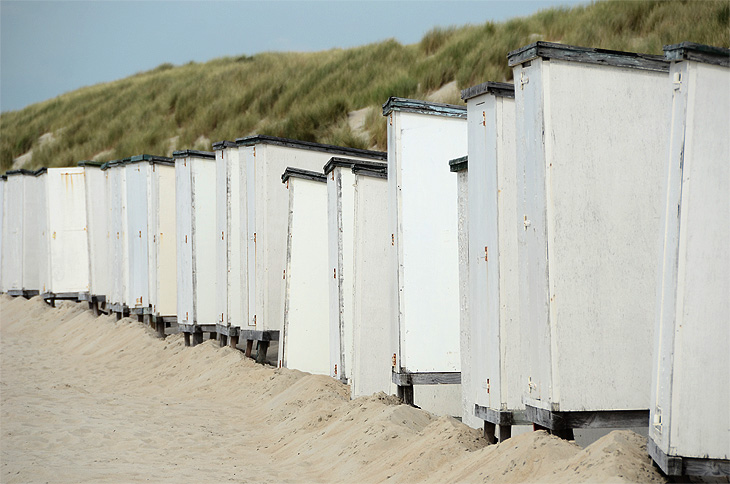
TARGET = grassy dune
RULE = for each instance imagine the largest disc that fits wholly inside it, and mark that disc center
(308, 95)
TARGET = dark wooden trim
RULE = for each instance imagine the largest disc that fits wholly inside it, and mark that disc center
(601, 419)
(15, 292)
(336, 161)
(290, 172)
(227, 330)
(219, 145)
(372, 173)
(499, 89)
(706, 54)
(587, 55)
(423, 107)
(308, 145)
(208, 155)
(85, 296)
(141, 311)
(253, 335)
(687, 466)
(90, 164)
(459, 164)
(431, 378)
(154, 159)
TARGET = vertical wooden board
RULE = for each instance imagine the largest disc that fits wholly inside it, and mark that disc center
(467, 401)
(204, 238)
(307, 318)
(2, 230)
(532, 254)
(334, 240)
(345, 269)
(31, 233)
(184, 208)
(235, 315)
(242, 262)
(12, 257)
(96, 212)
(371, 368)
(166, 246)
(221, 251)
(252, 186)
(138, 213)
(396, 255)
(701, 321)
(69, 258)
(601, 297)
(429, 241)
(44, 256)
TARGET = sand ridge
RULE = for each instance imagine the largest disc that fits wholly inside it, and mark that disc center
(92, 399)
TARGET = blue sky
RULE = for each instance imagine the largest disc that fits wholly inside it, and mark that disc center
(48, 48)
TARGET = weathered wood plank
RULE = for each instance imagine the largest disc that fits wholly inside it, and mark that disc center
(501, 89)
(423, 107)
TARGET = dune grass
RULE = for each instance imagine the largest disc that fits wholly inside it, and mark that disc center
(308, 95)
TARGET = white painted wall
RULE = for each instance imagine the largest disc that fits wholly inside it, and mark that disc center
(422, 213)
(138, 214)
(304, 342)
(32, 213)
(12, 256)
(591, 144)
(98, 242)
(67, 243)
(2, 230)
(163, 262)
(689, 411)
(119, 269)
(44, 254)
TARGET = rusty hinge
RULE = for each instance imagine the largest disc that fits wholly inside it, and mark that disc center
(186, 239)
(487, 385)
(254, 237)
(186, 315)
(484, 118)
(287, 184)
(523, 80)
(392, 239)
(185, 163)
(254, 151)
(140, 234)
(284, 275)
(335, 370)
(221, 317)
(394, 360)
(391, 119)
(334, 273)
(154, 238)
(332, 175)
(221, 235)
(486, 253)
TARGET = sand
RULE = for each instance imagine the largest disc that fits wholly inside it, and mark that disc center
(86, 399)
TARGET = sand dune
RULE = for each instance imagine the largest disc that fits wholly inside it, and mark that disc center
(86, 399)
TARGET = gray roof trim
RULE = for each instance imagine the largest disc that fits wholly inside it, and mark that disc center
(587, 55)
(500, 89)
(336, 161)
(707, 54)
(423, 107)
(194, 153)
(308, 145)
(459, 164)
(305, 174)
(219, 145)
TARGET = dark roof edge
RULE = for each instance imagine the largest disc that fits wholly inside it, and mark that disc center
(707, 54)
(352, 164)
(154, 159)
(219, 145)
(200, 154)
(95, 164)
(423, 107)
(588, 55)
(306, 174)
(459, 164)
(40, 171)
(368, 172)
(501, 89)
(309, 145)
(20, 171)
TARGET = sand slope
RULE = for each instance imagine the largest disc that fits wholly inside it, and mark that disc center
(95, 400)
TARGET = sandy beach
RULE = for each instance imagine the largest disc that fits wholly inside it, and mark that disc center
(85, 399)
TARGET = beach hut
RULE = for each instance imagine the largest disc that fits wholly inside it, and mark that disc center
(97, 235)
(117, 226)
(591, 132)
(195, 198)
(66, 275)
(359, 297)
(41, 226)
(3, 179)
(304, 339)
(688, 431)
(265, 158)
(492, 342)
(422, 138)
(150, 192)
(12, 256)
(33, 214)
(230, 249)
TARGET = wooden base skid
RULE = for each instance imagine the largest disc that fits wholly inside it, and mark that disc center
(52, 297)
(673, 465)
(26, 293)
(405, 382)
(504, 419)
(597, 419)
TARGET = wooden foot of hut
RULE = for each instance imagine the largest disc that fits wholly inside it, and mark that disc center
(501, 420)
(561, 424)
(264, 339)
(405, 382)
(193, 333)
(674, 465)
(227, 335)
(52, 297)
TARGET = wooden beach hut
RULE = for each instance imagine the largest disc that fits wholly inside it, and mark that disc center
(3, 180)
(66, 275)
(195, 198)
(97, 234)
(304, 339)
(422, 201)
(493, 389)
(591, 133)
(117, 226)
(359, 297)
(265, 204)
(13, 237)
(690, 399)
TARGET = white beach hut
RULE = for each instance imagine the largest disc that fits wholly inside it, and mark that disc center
(304, 339)
(117, 226)
(12, 256)
(195, 198)
(422, 138)
(230, 249)
(97, 233)
(265, 158)
(67, 272)
(592, 129)
(3, 180)
(690, 400)
(33, 216)
(150, 192)
(493, 389)
(359, 312)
